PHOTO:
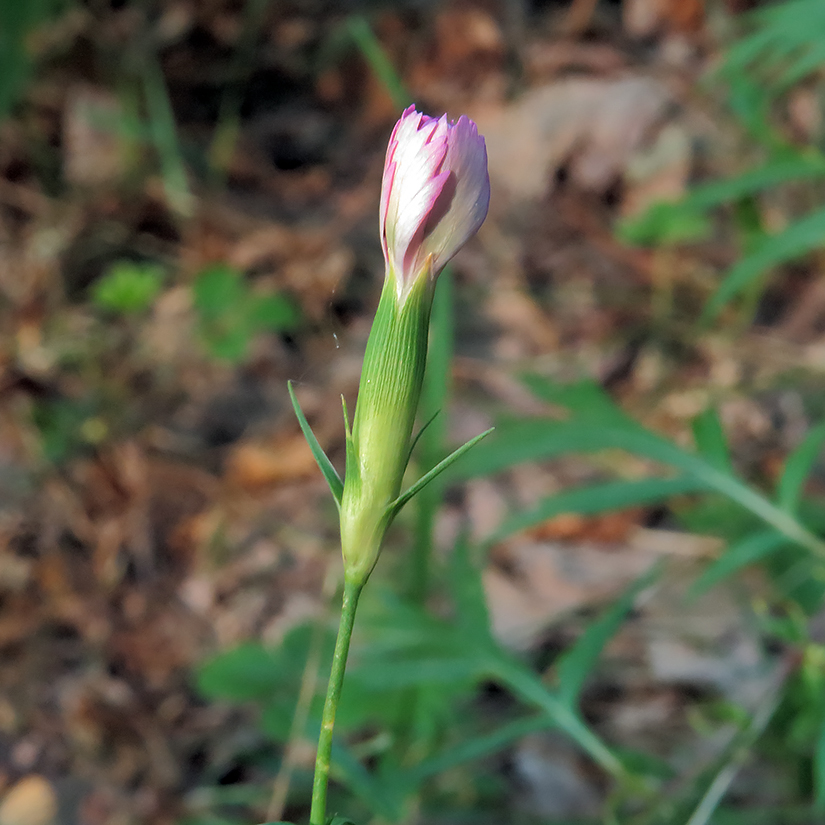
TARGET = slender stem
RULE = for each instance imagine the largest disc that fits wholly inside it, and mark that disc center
(318, 812)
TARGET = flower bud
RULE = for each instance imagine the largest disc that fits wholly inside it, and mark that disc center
(434, 194)
(434, 197)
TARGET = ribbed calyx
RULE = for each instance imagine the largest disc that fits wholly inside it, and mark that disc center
(379, 445)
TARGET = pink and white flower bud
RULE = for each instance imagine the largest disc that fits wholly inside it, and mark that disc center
(434, 196)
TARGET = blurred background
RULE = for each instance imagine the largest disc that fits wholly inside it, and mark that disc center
(612, 609)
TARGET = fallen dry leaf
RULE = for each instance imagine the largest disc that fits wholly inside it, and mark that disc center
(253, 465)
(592, 124)
(535, 583)
(644, 18)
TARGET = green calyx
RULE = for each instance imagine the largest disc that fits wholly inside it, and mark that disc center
(378, 446)
(380, 442)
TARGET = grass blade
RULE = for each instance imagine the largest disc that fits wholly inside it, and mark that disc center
(798, 466)
(576, 664)
(613, 495)
(747, 551)
(710, 440)
(801, 237)
(164, 136)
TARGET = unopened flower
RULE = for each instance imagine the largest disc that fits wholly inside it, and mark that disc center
(434, 195)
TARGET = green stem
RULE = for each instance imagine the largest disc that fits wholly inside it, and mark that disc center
(318, 812)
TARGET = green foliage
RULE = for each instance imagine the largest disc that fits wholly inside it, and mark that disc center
(67, 426)
(128, 287)
(230, 314)
(783, 45)
(402, 647)
(19, 21)
(595, 423)
(402, 650)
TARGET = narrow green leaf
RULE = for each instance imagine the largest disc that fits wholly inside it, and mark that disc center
(336, 486)
(247, 672)
(575, 664)
(477, 747)
(801, 237)
(774, 173)
(436, 471)
(420, 433)
(543, 438)
(798, 466)
(163, 130)
(710, 440)
(718, 780)
(819, 770)
(740, 554)
(467, 590)
(423, 670)
(347, 769)
(613, 495)
(529, 687)
(584, 399)
(382, 67)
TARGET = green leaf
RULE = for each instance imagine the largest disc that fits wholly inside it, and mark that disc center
(576, 664)
(663, 224)
(250, 671)
(819, 769)
(477, 747)
(776, 171)
(467, 589)
(382, 67)
(537, 439)
(784, 47)
(128, 287)
(347, 769)
(273, 312)
(613, 495)
(710, 440)
(801, 237)
(798, 467)
(329, 472)
(393, 509)
(584, 399)
(221, 300)
(529, 687)
(164, 134)
(740, 554)
(424, 670)
(218, 289)
(671, 223)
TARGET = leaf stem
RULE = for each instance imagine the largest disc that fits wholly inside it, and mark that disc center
(320, 783)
